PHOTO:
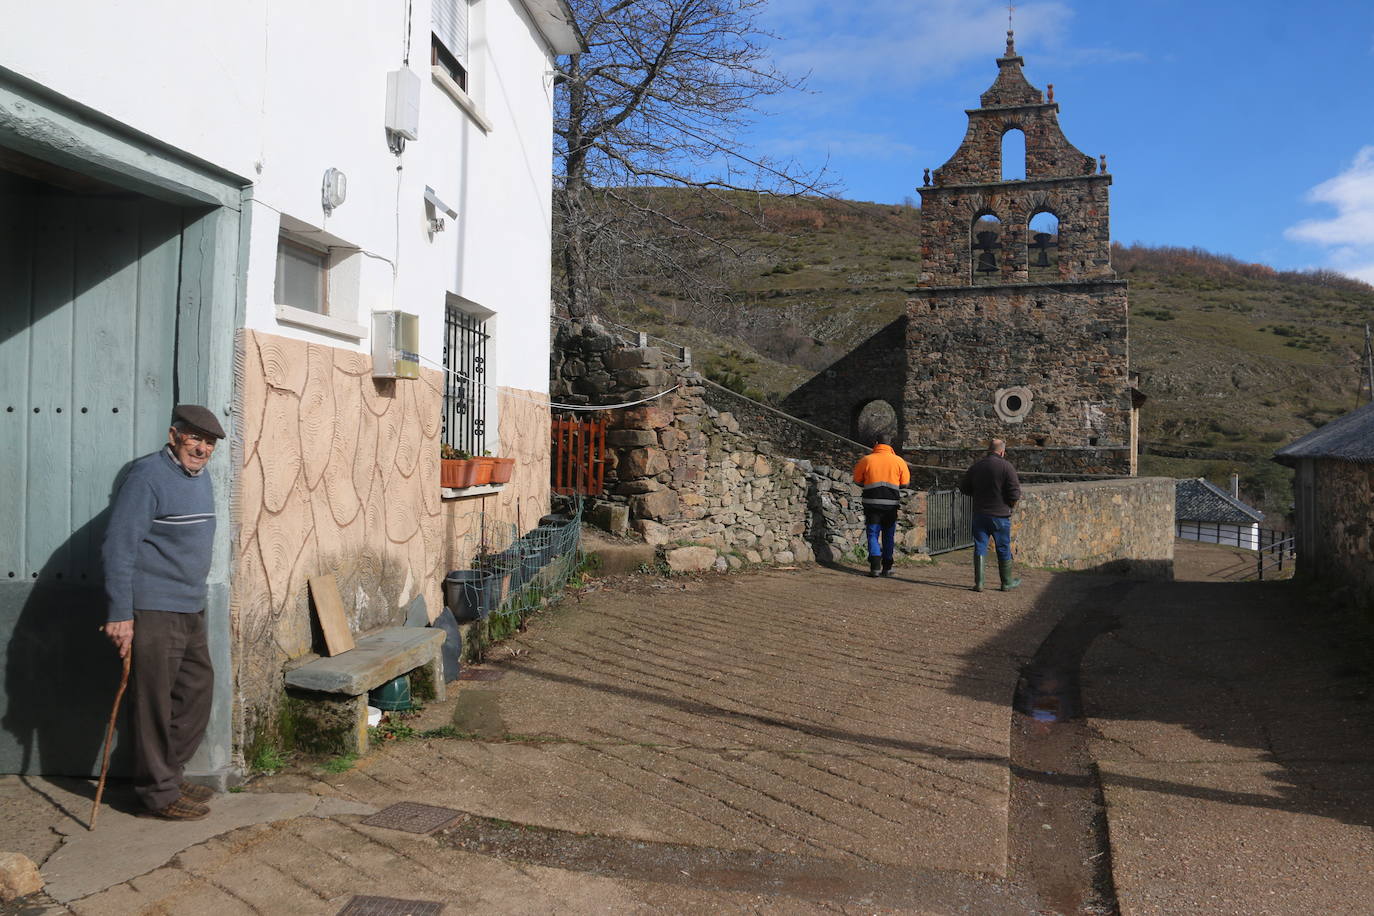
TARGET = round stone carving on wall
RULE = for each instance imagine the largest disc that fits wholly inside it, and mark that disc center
(1012, 404)
(876, 416)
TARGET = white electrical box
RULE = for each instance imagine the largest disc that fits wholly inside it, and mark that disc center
(403, 103)
(395, 345)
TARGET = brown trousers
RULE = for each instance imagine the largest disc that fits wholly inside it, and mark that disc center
(170, 690)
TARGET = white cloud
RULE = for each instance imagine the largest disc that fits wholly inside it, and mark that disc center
(1349, 235)
(900, 44)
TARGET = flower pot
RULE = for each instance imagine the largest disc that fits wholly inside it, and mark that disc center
(482, 474)
(501, 469)
(471, 594)
(457, 472)
(393, 696)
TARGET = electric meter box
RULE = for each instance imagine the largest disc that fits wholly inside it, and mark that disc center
(395, 345)
(403, 103)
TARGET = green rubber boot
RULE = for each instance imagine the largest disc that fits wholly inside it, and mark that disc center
(1008, 581)
(979, 564)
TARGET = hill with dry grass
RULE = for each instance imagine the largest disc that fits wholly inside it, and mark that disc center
(1236, 358)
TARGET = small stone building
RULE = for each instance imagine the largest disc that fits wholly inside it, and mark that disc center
(1018, 328)
(1333, 496)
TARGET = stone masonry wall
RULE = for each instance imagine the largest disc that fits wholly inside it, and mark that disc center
(1119, 526)
(1345, 529)
(1065, 350)
(874, 370)
(707, 466)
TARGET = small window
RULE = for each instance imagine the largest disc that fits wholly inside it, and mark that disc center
(465, 387)
(1012, 404)
(302, 277)
(439, 56)
(448, 48)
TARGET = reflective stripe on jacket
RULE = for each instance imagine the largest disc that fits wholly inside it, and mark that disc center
(881, 473)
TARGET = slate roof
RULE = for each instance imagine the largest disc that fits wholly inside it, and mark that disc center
(1347, 438)
(1201, 501)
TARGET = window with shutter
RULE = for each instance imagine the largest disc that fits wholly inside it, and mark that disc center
(449, 43)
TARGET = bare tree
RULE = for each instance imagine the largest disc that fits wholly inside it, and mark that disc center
(659, 99)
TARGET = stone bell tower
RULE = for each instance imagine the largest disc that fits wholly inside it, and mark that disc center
(1018, 328)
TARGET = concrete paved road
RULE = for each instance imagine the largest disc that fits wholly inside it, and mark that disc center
(813, 740)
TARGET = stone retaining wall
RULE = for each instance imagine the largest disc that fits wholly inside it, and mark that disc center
(703, 465)
(1120, 526)
(835, 523)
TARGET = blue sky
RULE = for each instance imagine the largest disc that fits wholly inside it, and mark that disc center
(1246, 129)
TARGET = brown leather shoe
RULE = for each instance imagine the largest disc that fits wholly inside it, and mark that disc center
(183, 809)
(197, 793)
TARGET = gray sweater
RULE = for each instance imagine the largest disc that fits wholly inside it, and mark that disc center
(160, 538)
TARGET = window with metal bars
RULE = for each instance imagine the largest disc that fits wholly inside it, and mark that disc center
(465, 401)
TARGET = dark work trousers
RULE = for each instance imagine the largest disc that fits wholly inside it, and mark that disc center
(170, 689)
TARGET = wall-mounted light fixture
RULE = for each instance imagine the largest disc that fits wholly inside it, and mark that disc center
(333, 190)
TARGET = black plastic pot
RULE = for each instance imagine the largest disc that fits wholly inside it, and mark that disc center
(472, 594)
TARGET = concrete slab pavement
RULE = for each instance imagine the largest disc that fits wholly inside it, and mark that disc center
(1235, 749)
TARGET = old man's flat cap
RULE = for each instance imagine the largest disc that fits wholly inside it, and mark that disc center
(199, 417)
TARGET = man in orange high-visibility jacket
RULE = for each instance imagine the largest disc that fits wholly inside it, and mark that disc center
(882, 474)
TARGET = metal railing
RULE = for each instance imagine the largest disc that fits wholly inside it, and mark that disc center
(1273, 555)
(949, 517)
(1244, 537)
(465, 394)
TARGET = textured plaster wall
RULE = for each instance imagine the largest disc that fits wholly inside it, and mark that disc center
(337, 473)
(1124, 526)
(1345, 528)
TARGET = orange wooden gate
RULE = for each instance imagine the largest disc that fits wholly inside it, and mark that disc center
(579, 456)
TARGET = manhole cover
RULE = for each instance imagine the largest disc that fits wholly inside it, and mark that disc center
(390, 906)
(481, 674)
(412, 818)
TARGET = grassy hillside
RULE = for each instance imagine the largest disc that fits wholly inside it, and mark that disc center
(1236, 359)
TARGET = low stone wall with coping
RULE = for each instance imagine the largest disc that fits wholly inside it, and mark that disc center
(1123, 526)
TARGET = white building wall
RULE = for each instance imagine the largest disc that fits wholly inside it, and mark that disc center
(278, 92)
(1245, 536)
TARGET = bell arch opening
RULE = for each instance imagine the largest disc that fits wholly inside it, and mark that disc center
(1013, 154)
(1042, 246)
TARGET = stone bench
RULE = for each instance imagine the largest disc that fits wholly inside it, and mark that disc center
(327, 697)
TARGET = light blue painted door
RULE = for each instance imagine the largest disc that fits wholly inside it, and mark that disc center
(88, 327)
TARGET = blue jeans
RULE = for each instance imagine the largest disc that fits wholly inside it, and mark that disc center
(881, 525)
(1000, 531)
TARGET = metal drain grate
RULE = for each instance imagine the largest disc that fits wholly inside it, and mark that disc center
(413, 818)
(481, 674)
(390, 906)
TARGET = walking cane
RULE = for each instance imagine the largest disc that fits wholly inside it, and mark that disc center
(109, 737)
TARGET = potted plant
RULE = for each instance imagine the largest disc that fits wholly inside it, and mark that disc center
(456, 468)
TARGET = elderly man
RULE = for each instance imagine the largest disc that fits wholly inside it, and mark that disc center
(995, 488)
(157, 556)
